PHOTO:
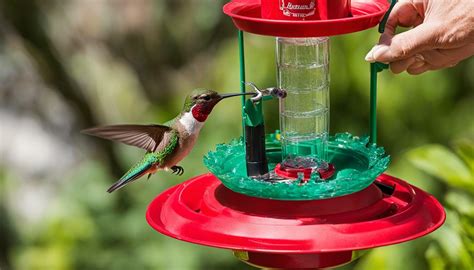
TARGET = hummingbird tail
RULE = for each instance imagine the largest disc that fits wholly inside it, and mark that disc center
(133, 174)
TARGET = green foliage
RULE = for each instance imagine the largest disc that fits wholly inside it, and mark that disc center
(440, 162)
(453, 245)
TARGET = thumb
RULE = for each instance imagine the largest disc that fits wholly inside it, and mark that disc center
(404, 45)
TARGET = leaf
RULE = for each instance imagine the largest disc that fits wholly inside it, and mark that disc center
(465, 149)
(461, 202)
(451, 242)
(443, 164)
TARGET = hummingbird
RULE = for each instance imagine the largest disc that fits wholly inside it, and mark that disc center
(166, 144)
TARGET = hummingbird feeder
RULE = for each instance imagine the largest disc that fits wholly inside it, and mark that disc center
(298, 198)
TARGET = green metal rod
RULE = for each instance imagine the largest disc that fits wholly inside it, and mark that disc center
(373, 103)
(374, 69)
(385, 17)
(242, 76)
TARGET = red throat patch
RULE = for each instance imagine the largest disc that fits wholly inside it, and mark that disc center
(201, 112)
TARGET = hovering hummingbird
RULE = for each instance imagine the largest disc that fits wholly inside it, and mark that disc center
(166, 144)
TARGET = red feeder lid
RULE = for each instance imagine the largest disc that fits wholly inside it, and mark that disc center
(203, 211)
(364, 14)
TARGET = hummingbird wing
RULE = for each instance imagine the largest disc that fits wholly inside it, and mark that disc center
(147, 137)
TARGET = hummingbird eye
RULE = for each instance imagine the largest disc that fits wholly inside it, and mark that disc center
(206, 97)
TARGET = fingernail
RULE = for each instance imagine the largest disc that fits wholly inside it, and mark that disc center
(419, 57)
(419, 61)
(417, 65)
(379, 51)
(370, 57)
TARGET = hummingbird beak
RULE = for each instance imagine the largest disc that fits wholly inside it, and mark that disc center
(235, 95)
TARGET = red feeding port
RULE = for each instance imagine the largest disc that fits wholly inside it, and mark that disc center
(294, 234)
(327, 18)
(292, 173)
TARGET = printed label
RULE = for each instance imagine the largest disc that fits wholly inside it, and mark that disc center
(298, 8)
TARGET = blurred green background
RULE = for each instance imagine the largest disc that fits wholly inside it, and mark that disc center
(68, 65)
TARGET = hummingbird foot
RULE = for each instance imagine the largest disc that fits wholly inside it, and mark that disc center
(178, 170)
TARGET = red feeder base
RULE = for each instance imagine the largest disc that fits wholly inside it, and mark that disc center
(294, 234)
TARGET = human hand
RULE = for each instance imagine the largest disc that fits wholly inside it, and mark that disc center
(442, 35)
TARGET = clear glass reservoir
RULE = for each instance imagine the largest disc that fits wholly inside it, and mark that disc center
(303, 71)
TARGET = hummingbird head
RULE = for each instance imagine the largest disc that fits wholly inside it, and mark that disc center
(200, 102)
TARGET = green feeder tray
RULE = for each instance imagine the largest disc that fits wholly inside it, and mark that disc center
(357, 163)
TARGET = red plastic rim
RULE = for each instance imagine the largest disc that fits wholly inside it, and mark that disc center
(246, 15)
(203, 211)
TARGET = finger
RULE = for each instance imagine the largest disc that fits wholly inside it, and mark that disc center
(405, 14)
(400, 66)
(420, 69)
(406, 44)
(442, 58)
(417, 64)
(456, 55)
